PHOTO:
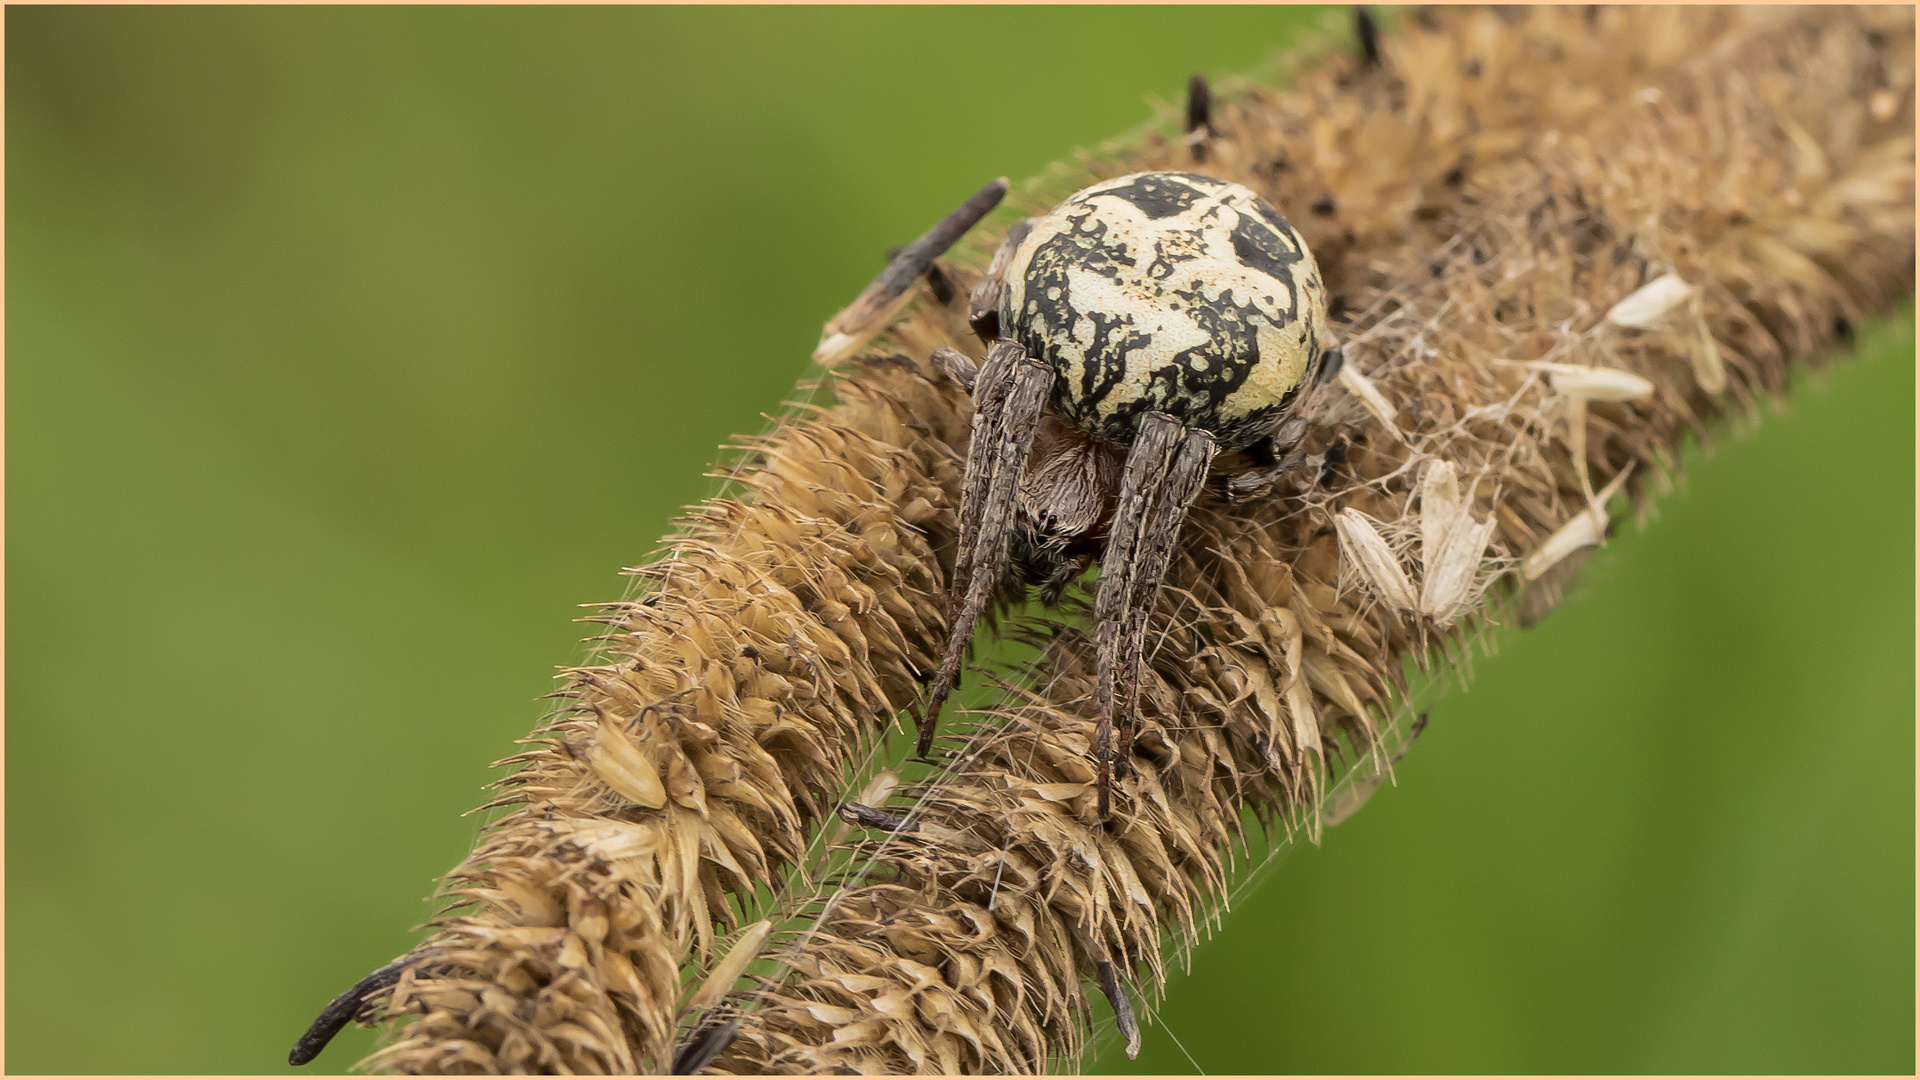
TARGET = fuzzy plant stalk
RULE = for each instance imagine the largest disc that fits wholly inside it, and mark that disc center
(1557, 243)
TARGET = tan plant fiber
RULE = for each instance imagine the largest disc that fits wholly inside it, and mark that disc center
(1478, 204)
(694, 763)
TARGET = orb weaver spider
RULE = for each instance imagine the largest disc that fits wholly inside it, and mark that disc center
(1141, 330)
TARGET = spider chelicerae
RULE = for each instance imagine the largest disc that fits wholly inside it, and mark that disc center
(1145, 328)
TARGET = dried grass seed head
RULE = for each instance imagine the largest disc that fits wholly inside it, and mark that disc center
(1558, 226)
(1461, 227)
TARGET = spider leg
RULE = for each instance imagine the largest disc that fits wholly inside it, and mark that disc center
(1199, 125)
(956, 366)
(1142, 479)
(1185, 477)
(1008, 396)
(1368, 32)
(1165, 470)
(1282, 452)
(878, 302)
(1331, 360)
(983, 308)
(347, 1008)
(1199, 104)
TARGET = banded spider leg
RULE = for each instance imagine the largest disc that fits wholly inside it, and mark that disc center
(1165, 469)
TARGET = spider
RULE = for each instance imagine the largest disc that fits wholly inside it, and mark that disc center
(1148, 327)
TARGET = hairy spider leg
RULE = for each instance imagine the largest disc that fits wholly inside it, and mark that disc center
(1143, 478)
(1185, 477)
(876, 303)
(991, 389)
(956, 366)
(705, 1044)
(1199, 104)
(1123, 1018)
(346, 1008)
(1008, 396)
(983, 308)
(1165, 469)
(1199, 124)
(1368, 32)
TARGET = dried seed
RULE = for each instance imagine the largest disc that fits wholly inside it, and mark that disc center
(1439, 506)
(1586, 528)
(1708, 371)
(624, 767)
(1362, 387)
(1809, 161)
(1368, 553)
(731, 966)
(1595, 383)
(614, 840)
(1644, 307)
(1451, 544)
(1447, 588)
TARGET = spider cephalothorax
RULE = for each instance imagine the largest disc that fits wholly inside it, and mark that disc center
(1143, 326)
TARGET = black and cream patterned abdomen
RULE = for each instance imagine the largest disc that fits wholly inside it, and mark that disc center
(1171, 292)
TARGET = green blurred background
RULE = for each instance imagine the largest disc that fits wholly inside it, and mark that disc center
(350, 348)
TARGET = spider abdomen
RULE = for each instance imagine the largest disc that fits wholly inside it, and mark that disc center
(1167, 292)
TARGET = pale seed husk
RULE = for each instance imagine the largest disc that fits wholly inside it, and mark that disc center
(1364, 547)
(1646, 307)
